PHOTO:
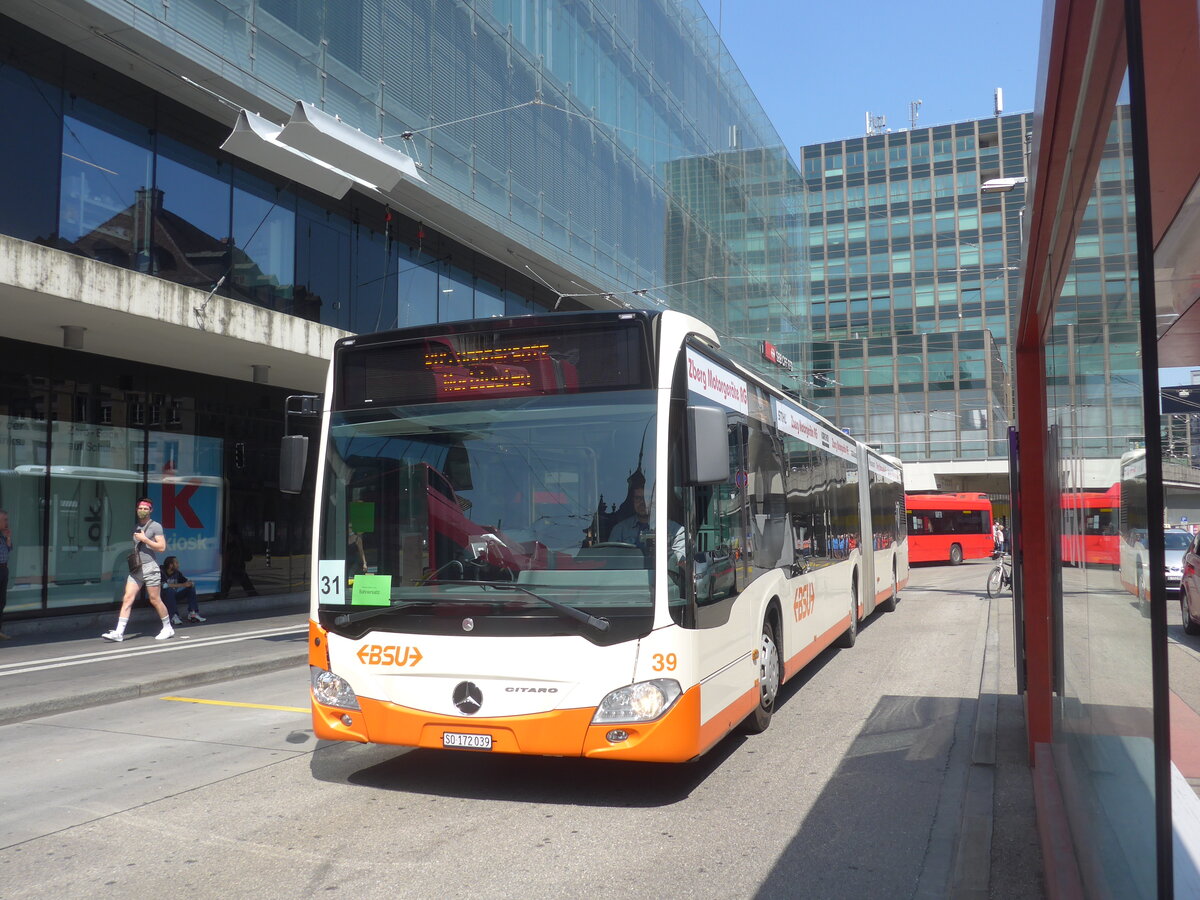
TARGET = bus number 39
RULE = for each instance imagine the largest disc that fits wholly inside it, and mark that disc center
(665, 663)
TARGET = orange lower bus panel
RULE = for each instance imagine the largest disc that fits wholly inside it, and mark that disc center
(676, 737)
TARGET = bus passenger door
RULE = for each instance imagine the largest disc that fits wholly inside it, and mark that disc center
(719, 547)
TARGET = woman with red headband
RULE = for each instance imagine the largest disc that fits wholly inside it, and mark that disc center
(148, 540)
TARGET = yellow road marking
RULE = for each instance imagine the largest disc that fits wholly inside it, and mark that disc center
(302, 709)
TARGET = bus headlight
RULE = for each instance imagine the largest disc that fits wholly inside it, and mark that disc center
(332, 690)
(641, 702)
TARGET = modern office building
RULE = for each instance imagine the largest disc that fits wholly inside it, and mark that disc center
(172, 268)
(914, 277)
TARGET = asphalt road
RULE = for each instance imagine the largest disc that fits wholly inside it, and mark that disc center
(856, 790)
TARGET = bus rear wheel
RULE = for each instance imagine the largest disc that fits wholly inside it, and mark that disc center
(850, 635)
(770, 676)
(889, 605)
(955, 554)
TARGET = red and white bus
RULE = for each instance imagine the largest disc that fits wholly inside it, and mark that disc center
(1090, 534)
(949, 527)
(587, 534)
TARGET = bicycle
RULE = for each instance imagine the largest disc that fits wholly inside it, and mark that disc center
(1000, 577)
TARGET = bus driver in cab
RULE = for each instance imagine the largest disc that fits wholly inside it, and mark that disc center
(633, 529)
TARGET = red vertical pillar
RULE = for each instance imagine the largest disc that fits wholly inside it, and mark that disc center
(1035, 543)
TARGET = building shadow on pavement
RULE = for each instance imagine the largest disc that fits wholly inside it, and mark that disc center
(896, 818)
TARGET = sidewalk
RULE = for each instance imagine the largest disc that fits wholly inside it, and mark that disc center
(57, 664)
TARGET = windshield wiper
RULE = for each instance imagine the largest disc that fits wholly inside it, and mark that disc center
(600, 624)
(347, 618)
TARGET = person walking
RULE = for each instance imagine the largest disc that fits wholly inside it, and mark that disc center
(5, 553)
(148, 540)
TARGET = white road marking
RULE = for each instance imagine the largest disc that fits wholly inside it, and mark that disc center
(185, 643)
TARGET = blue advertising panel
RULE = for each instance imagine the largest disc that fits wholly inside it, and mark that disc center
(189, 497)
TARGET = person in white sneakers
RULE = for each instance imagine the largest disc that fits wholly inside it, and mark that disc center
(148, 540)
(176, 588)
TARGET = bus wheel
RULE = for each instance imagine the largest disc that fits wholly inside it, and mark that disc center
(770, 676)
(955, 554)
(889, 605)
(850, 635)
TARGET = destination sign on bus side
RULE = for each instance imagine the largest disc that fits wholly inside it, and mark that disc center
(710, 380)
(883, 470)
(791, 420)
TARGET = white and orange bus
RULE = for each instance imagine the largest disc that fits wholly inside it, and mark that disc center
(586, 534)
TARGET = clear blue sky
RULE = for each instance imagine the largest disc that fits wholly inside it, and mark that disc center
(818, 66)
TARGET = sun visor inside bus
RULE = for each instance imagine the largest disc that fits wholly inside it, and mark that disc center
(484, 365)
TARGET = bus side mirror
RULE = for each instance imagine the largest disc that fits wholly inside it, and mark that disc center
(293, 457)
(708, 445)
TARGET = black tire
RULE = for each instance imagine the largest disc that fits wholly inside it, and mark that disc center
(889, 605)
(770, 677)
(995, 581)
(1188, 625)
(955, 555)
(850, 635)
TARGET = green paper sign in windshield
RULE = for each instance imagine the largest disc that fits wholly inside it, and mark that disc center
(371, 590)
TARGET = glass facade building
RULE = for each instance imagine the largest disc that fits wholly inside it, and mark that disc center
(568, 151)
(908, 257)
(907, 252)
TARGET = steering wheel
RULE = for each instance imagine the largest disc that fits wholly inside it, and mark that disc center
(610, 544)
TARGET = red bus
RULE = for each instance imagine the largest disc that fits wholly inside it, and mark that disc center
(949, 527)
(1089, 533)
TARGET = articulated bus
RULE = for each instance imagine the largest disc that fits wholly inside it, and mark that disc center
(949, 527)
(1089, 534)
(580, 534)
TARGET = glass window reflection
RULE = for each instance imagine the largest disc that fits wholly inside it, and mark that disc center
(106, 201)
(191, 204)
(457, 294)
(264, 234)
(418, 293)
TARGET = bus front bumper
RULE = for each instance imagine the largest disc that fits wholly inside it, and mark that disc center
(673, 737)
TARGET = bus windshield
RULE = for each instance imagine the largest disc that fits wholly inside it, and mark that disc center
(499, 511)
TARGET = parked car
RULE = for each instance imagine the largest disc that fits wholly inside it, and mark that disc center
(1176, 543)
(715, 575)
(1189, 594)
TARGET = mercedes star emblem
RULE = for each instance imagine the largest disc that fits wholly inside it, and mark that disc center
(468, 697)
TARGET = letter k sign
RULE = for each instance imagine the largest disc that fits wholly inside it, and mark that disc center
(177, 499)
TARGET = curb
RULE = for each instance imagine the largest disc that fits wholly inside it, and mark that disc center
(102, 696)
(972, 872)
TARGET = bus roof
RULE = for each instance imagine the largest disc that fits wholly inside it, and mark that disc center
(969, 500)
(1091, 499)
